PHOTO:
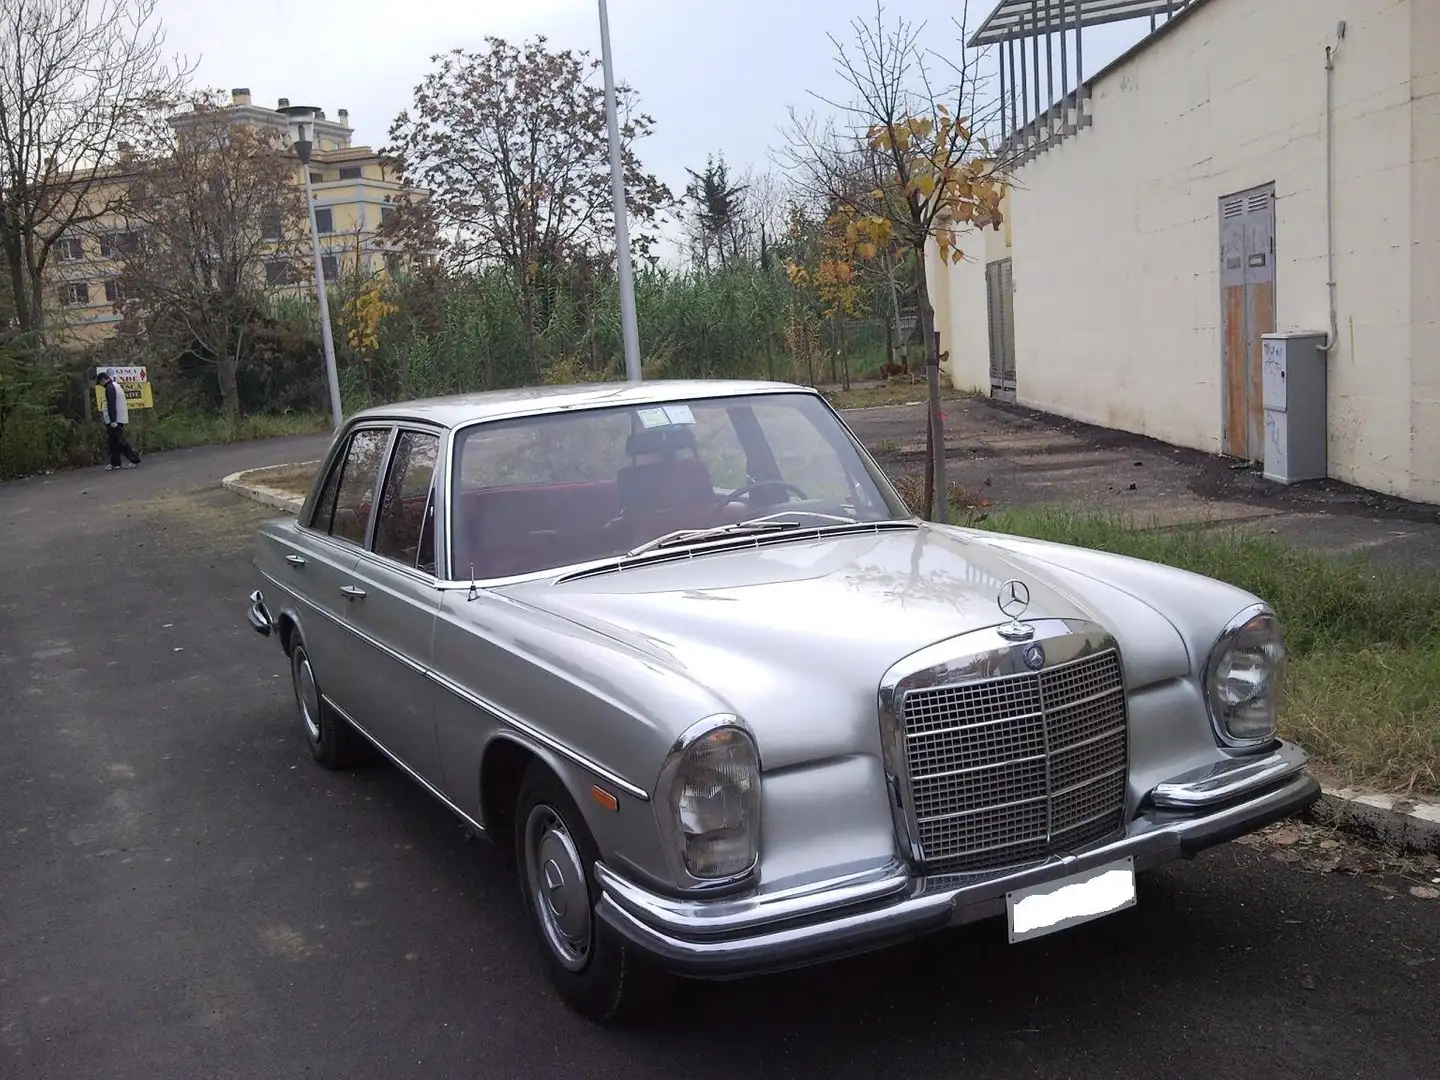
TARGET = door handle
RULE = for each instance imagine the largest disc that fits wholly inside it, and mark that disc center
(352, 592)
(295, 560)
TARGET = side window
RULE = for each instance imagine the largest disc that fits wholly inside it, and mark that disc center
(357, 485)
(405, 505)
(324, 511)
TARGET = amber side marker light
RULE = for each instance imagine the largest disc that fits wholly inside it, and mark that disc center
(604, 798)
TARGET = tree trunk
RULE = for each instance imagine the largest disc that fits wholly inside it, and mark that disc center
(939, 509)
(229, 385)
(19, 291)
(929, 489)
(37, 304)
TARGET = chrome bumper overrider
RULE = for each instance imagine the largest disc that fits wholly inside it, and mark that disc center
(885, 905)
(259, 614)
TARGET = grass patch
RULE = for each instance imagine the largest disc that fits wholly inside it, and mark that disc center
(1362, 689)
(33, 443)
(901, 392)
(181, 431)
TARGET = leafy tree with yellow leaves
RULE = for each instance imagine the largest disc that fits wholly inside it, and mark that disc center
(362, 315)
(931, 170)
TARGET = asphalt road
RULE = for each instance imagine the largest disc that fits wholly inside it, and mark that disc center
(184, 894)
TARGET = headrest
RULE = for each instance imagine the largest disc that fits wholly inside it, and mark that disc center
(661, 440)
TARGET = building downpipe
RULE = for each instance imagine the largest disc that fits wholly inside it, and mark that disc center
(1330, 53)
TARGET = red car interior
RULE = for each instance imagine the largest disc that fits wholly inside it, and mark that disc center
(513, 530)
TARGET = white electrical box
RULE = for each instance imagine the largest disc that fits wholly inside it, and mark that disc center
(1293, 393)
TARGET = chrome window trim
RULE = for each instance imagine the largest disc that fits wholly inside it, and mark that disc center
(1217, 724)
(970, 657)
(665, 783)
(438, 434)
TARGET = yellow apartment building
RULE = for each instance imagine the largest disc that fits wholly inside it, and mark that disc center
(355, 192)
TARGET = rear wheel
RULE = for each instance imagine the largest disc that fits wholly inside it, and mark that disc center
(595, 972)
(333, 742)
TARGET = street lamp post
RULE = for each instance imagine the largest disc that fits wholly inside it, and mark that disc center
(629, 327)
(302, 126)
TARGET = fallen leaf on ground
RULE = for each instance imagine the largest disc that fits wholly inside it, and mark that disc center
(1285, 836)
(1354, 863)
(1425, 892)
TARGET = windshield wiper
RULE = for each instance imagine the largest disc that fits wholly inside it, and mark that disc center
(768, 523)
(680, 536)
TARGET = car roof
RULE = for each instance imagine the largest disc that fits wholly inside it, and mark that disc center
(460, 409)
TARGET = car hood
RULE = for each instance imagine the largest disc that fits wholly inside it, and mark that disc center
(796, 635)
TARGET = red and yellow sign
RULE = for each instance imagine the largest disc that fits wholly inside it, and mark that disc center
(135, 381)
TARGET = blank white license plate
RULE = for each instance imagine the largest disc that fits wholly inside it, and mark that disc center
(1059, 905)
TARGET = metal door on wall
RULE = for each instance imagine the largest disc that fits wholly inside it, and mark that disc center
(1247, 311)
(1000, 304)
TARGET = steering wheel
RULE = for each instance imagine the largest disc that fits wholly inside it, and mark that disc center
(745, 489)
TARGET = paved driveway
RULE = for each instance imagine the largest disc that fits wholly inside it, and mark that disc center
(184, 894)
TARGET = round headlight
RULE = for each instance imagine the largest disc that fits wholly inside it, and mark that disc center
(1242, 679)
(710, 790)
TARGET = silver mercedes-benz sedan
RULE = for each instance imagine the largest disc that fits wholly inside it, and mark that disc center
(682, 648)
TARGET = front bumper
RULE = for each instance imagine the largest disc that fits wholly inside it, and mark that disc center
(883, 906)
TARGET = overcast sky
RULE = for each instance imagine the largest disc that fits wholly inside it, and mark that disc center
(716, 77)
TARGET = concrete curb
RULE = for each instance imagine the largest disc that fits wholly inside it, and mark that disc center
(250, 484)
(1404, 823)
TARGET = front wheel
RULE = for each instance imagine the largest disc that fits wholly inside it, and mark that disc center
(595, 972)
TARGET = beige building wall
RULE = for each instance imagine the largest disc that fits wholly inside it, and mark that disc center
(353, 189)
(961, 313)
(1116, 229)
(1425, 251)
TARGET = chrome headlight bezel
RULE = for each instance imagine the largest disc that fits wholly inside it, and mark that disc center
(697, 739)
(1257, 618)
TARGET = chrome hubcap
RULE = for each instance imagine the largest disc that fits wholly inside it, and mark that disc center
(558, 891)
(307, 695)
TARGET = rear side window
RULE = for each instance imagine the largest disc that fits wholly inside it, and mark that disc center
(405, 505)
(344, 507)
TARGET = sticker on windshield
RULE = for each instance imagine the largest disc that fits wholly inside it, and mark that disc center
(680, 414)
(652, 418)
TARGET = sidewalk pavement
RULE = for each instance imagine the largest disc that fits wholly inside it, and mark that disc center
(1012, 456)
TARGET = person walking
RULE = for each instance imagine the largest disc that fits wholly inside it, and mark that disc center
(117, 415)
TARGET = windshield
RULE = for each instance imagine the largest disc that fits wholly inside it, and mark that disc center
(537, 493)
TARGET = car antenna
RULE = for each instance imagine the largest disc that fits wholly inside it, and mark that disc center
(474, 592)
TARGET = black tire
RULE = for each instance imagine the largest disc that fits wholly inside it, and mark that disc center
(592, 968)
(333, 742)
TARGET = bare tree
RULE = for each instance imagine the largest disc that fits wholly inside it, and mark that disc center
(218, 219)
(80, 81)
(766, 211)
(935, 176)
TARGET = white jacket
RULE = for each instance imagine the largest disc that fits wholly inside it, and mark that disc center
(117, 409)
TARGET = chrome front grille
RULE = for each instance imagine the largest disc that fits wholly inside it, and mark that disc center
(1010, 769)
